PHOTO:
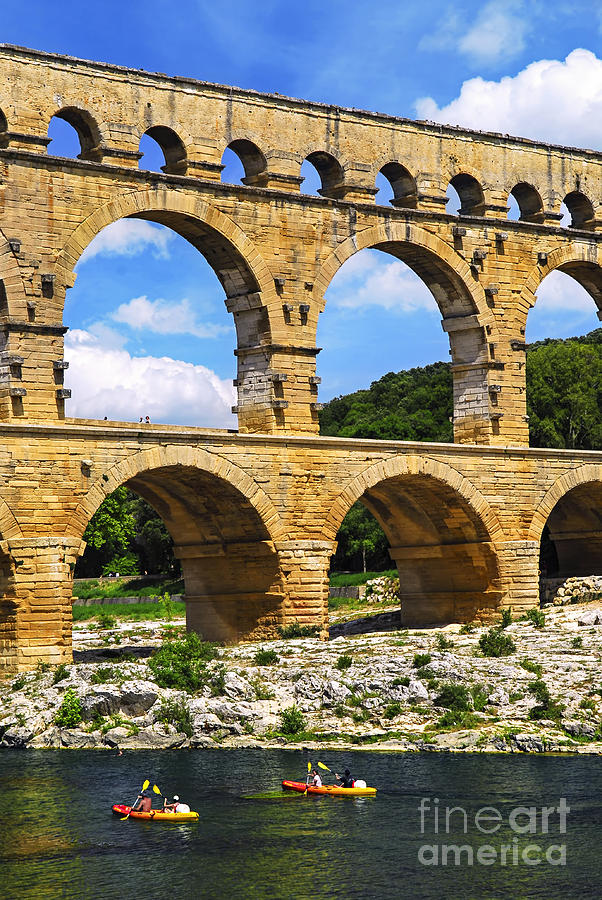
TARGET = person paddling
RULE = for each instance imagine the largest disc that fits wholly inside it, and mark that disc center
(175, 806)
(345, 781)
(144, 802)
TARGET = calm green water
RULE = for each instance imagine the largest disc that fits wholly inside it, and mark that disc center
(58, 837)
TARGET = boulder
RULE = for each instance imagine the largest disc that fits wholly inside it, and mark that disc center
(591, 617)
(499, 697)
(17, 736)
(237, 688)
(416, 690)
(578, 729)
(149, 739)
(527, 743)
(334, 692)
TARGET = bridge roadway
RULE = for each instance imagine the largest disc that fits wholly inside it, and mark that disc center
(254, 519)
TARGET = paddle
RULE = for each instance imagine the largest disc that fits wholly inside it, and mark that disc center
(144, 787)
(306, 780)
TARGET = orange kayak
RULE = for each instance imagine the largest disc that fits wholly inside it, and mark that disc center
(329, 789)
(155, 815)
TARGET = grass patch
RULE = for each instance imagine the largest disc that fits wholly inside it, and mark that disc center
(351, 579)
(132, 612)
(533, 667)
(265, 657)
(421, 659)
(294, 630)
(344, 662)
(125, 587)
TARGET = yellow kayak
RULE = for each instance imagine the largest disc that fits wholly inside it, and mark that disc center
(155, 815)
(331, 789)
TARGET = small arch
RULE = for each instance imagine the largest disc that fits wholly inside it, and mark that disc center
(528, 199)
(3, 130)
(403, 185)
(470, 194)
(580, 209)
(330, 173)
(86, 128)
(171, 146)
(253, 162)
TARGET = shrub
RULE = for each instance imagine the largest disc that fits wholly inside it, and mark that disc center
(167, 607)
(19, 683)
(537, 617)
(467, 628)
(262, 691)
(533, 667)
(217, 681)
(60, 673)
(266, 657)
(577, 642)
(69, 712)
(494, 643)
(402, 681)
(106, 620)
(506, 618)
(344, 662)
(444, 643)
(480, 696)
(421, 659)
(453, 718)
(392, 710)
(298, 631)
(546, 708)
(42, 668)
(103, 674)
(454, 696)
(181, 663)
(291, 720)
(176, 713)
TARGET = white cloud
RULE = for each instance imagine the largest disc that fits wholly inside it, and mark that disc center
(550, 100)
(497, 34)
(561, 292)
(129, 237)
(108, 381)
(162, 317)
(371, 279)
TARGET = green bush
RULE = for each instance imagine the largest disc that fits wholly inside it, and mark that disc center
(546, 707)
(392, 710)
(344, 662)
(443, 643)
(176, 713)
(506, 618)
(494, 643)
(577, 642)
(291, 720)
(18, 683)
(126, 564)
(421, 659)
(298, 631)
(167, 607)
(106, 620)
(453, 718)
(60, 673)
(537, 617)
(533, 667)
(454, 696)
(181, 663)
(69, 712)
(402, 681)
(467, 628)
(480, 696)
(265, 657)
(103, 674)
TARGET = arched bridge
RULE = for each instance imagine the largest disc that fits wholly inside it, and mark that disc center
(254, 514)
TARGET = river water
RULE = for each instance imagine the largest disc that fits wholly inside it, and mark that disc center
(58, 837)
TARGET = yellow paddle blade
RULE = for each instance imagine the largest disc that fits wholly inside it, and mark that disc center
(145, 784)
(322, 766)
(156, 790)
(309, 766)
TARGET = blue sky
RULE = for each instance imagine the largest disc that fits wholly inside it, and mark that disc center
(147, 313)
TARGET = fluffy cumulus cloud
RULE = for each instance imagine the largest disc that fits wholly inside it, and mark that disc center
(107, 381)
(560, 292)
(496, 35)
(163, 317)
(374, 279)
(550, 100)
(129, 237)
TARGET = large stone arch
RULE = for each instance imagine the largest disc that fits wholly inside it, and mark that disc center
(172, 208)
(442, 535)
(467, 318)
(567, 524)
(578, 259)
(224, 528)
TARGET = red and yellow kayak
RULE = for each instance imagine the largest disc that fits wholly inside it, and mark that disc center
(155, 815)
(328, 789)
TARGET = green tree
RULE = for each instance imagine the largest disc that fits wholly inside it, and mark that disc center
(361, 538)
(109, 534)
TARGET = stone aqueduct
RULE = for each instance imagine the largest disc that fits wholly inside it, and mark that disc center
(254, 513)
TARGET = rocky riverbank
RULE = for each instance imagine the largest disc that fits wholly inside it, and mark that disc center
(427, 689)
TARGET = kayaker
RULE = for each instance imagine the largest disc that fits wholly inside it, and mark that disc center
(175, 806)
(143, 803)
(345, 781)
(316, 780)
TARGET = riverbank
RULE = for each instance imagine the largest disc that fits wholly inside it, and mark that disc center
(424, 689)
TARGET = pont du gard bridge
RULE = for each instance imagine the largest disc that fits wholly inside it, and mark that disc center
(254, 513)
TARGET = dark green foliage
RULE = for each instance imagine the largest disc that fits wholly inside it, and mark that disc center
(530, 666)
(577, 642)
(266, 657)
(537, 617)
(69, 712)
(415, 405)
(506, 618)
(18, 683)
(392, 710)
(104, 674)
(294, 630)
(454, 718)
(494, 643)
(291, 720)
(454, 696)
(361, 543)
(403, 680)
(106, 620)
(60, 673)
(181, 663)
(421, 659)
(467, 628)
(176, 713)
(546, 707)
(444, 643)
(344, 662)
